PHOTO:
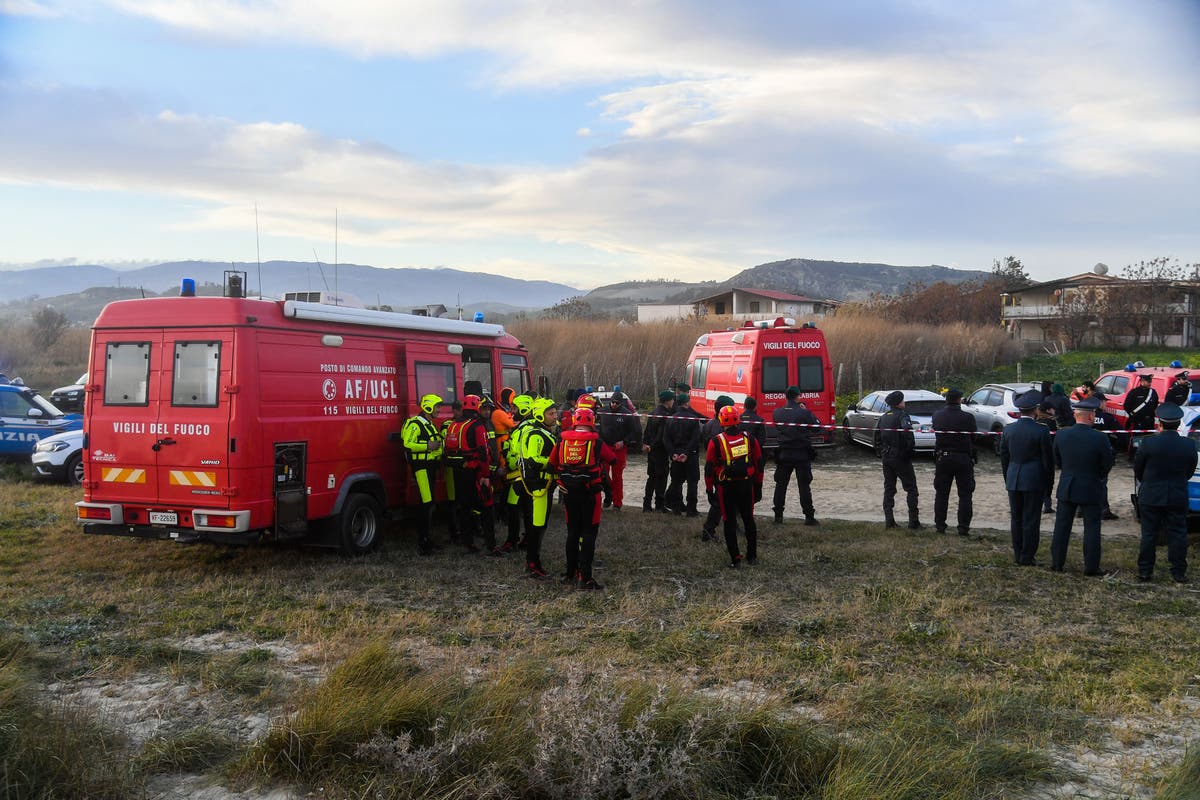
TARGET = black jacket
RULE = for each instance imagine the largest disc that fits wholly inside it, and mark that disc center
(682, 433)
(795, 440)
(755, 427)
(652, 433)
(895, 433)
(1179, 393)
(1164, 464)
(1139, 405)
(946, 421)
(619, 426)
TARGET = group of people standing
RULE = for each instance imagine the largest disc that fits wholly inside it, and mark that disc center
(515, 454)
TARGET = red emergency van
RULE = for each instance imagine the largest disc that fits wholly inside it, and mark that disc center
(235, 420)
(762, 359)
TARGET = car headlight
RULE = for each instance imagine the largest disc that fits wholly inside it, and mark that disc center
(51, 447)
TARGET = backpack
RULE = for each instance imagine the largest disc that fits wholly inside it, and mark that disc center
(736, 452)
(578, 471)
(455, 444)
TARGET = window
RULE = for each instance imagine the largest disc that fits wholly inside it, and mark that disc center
(126, 373)
(1105, 384)
(699, 373)
(718, 308)
(755, 306)
(811, 374)
(774, 375)
(197, 368)
(14, 404)
(1120, 384)
(979, 398)
(436, 379)
(477, 371)
(514, 372)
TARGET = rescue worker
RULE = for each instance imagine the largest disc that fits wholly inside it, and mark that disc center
(466, 452)
(1163, 466)
(1085, 457)
(709, 431)
(1140, 403)
(618, 427)
(1027, 461)
(422, 450)
(516, 502)
(537, 442)
(658, 460)
(682, 441)
(578, 460)
(954, 462)
(1181, 390)
(794, 426)
(733, 476)
(899, 444)
(753, 423)
(1083, 391)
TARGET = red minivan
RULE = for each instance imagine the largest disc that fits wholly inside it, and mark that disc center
(761, 360)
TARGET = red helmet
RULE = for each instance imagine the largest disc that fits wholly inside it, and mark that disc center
(585, 417)
(585, 401)
(471, 402)
(729, 416)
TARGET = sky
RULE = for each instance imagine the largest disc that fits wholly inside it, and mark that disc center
(591, 143)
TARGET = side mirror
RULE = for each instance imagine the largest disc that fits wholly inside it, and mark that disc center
(852, 407)
(34, 413)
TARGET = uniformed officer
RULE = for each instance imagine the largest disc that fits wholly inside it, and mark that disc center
(1139, 405)
(954, 462)
(794, 426)
(657, 458)
(1084, 457)
(896, 436)
(1180, 390)
(1027, 461)
(1164, 464)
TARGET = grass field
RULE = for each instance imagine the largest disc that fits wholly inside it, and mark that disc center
(851, 663)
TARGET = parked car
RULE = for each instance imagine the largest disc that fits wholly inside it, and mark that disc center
(861, 421)
(994, 408)
(60, 458)
(26, 418)
(1116, 384)
(70, 398)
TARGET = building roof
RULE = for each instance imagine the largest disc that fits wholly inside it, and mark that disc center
(1082, 279)
(770, 295)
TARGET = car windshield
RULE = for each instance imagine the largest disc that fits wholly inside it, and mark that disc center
(40, 402)
(923, 408)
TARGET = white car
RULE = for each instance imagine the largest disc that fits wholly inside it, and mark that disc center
(60, 458)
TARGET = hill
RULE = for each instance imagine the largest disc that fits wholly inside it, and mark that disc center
(81, 291)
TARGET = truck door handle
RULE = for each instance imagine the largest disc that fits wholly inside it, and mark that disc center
(160, 443)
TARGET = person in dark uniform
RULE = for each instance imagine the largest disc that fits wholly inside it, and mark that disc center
(1085, 456)
(1045, 416)
(1027, 461)
(795, 454)
(1061, 404)
(657, 459)
(682, 441)
(752, 423)
(954, 462)
(1163, 466)
(1139, 406)
(618, 427)
(1106, 423)
(1180, 390)
(896, 437)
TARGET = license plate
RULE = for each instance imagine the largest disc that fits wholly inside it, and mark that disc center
(164, 518)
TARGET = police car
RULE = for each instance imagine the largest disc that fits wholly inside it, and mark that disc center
(26, 418)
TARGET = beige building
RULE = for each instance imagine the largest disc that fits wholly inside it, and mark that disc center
(1093, 309)
(761, 303)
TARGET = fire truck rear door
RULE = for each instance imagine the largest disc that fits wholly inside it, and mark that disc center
(192, 444)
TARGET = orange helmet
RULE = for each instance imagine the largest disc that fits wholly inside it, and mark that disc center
(585, 417)
(585, 401)
(729, 416)
(470, 402)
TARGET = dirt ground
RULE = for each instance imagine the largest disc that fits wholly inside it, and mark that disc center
(848, 485)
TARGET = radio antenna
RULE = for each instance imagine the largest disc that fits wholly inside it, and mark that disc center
(337, 298)
(318, 258)
(258, 250)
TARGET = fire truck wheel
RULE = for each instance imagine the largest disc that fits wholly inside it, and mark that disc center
(360, 524)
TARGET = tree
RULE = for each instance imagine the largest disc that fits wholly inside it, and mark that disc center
(1010, 272)
(570, 308)
(1078, 313)
(1154, 296)
(49, 324)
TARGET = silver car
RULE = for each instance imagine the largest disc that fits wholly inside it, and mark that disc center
(60, 458)
(861, 422)
(994, 409)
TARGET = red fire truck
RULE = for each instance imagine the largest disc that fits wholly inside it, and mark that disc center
(761, 360)
(237, 420)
